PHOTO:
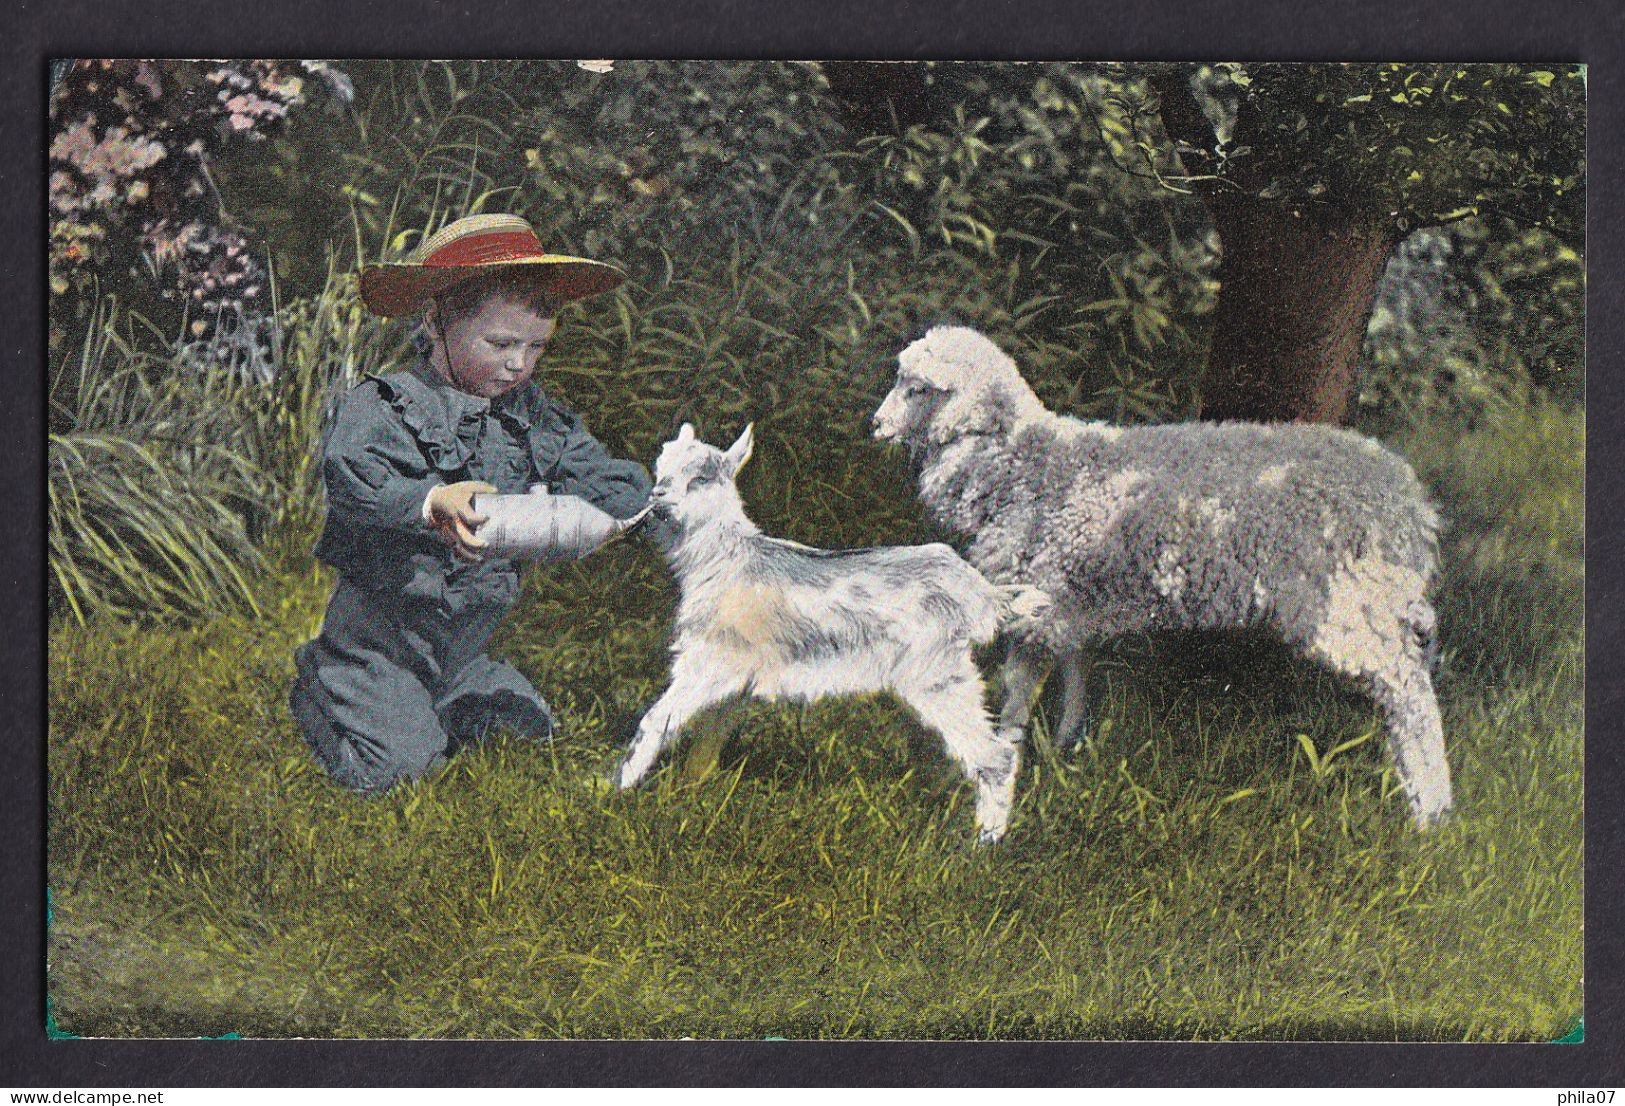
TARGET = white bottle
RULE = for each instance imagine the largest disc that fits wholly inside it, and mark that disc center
(539, 526)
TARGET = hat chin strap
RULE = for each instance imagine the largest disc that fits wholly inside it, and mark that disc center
(445, 352)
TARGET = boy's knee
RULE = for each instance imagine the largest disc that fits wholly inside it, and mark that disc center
(372, 771)
(369, 764)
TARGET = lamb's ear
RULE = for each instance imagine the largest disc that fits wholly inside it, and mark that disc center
(740, 451)
(969, 409)
(686, 434)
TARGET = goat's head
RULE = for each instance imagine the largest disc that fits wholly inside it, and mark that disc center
(951, 383)
(694, 482)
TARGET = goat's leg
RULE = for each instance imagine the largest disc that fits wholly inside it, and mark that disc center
(705, 750)
(954, 707)
(1022, 675)
(1074, 727)
(659, 727)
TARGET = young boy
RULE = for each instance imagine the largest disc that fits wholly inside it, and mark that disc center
(398, 679)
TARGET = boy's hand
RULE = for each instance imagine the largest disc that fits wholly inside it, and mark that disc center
(450, 510)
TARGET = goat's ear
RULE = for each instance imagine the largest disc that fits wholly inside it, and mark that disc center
(740, 451)
(686, 434)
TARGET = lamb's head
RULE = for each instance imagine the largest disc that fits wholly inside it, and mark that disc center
(952, 383)
(694, 482)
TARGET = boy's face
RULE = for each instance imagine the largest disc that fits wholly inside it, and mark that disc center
(493, 349)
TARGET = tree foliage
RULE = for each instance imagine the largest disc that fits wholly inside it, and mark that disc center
(1313, 174)
(1475, 321)
(1419, 144)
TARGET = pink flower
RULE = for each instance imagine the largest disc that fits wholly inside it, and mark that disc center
(64, 193)
(122, 155)
(75, 143)
(287, 88)
(102, 195)
(116, 154)
(247, 109)
(227, 75)
(147, 77)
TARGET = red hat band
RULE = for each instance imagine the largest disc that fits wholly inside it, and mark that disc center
(474, 244)
(485, 249)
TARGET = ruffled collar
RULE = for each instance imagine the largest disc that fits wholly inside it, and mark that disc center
(445, 420)
(521, 406)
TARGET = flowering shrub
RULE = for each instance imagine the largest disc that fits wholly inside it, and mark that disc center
(130, 189)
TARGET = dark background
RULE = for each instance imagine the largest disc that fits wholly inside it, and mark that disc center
(1153, 29)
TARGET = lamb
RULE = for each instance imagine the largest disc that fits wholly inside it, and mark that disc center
(770, 618)
(1316, 532)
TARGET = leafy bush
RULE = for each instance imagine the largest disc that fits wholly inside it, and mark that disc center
(665, 167)
(170, 469)
(1477, 320)
(149, 484)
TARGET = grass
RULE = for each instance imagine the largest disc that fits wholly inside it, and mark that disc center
(1195, 873)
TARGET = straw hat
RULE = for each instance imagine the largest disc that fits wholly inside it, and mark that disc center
(471, 247)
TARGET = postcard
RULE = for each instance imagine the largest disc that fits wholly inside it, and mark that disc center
(640, 550)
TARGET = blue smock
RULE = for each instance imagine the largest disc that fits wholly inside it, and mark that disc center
(398, 679)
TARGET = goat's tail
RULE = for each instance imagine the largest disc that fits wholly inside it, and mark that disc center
(1021, 607)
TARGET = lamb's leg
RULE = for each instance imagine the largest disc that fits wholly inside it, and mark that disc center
(1074, 727)
(954, 707)
(1023, 672)
(659, 727)
(1372, 629)
(1415, 738)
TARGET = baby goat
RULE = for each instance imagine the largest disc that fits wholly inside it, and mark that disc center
(770, 618)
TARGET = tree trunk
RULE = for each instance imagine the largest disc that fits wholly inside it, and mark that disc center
(1296, 279)
(1296, 288)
